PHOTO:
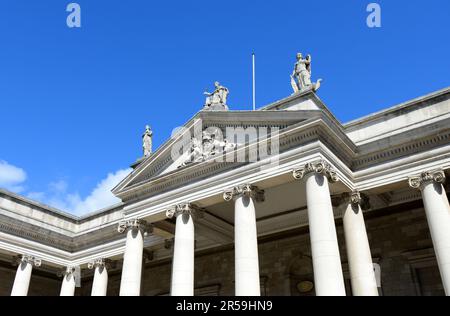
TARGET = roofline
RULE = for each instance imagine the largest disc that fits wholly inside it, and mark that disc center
(56, 211)
(395, 108)
(274, 105)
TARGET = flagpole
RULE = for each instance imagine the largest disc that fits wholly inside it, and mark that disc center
(254, 83)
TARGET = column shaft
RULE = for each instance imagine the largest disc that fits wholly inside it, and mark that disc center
(183, 257)
(328, 276)
(130, 284)
(100, 283)
(438, 215)
(246, 248)
(360, 263)
(22, 280)
(68, 285)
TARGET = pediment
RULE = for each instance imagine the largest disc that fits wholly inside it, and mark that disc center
(208, 136)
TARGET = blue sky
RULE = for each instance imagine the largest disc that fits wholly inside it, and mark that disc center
(74, 102)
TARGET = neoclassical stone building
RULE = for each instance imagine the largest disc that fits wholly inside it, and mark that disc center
(285, 200)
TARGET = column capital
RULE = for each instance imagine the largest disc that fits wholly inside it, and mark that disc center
(99, 263)
(184, 208)
(135, 223)
(320, 167)
(244, 190)
(28, 259)
(67, 271)
(417, 182)
(354, 198)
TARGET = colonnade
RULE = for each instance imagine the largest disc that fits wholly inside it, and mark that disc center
(328, 274)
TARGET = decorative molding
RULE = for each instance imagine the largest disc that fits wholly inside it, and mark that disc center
(208, 146)
(135, 223)
(22, 229)
(321, 167)
(27, 259)
(394, 152)
(244, 190)
(100, 263)
(316, 131)
(354, 198)
(185, 208)
(165, 159)
(67, 271)
(401, 196)
(418, 182)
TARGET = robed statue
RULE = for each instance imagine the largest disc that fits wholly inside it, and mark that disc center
(301, 76)
(147, 141)
(217, 100)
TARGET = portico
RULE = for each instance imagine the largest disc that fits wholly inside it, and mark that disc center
(308, 211)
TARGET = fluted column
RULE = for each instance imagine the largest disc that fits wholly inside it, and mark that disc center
(130, 284)
(68, 283)
(328, 276)
(184, 249)
(23, 275)
(247, 281)
(437, 210)
(362, 273)
(100, 283)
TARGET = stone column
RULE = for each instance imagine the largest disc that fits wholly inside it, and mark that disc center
(328, 276)
(68, 283)
(100, 283)
(130, 284)
(247, 281)
(184, 250)
(437, 209)
(362, 273)
(23, 275)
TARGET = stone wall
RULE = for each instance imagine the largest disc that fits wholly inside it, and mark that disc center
(7, 280)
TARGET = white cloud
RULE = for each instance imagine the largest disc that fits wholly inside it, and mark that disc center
(101, 196)
(11, 177)
(58, 195)
(37, 196)
(58, 186)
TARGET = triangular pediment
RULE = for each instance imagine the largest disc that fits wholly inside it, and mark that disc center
(210, 135)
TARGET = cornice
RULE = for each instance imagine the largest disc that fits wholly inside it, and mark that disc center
(16, 227)
(161, 155)
(297, 136)
(57, 257)
(164, 160)
(385, 151)
(410, 105)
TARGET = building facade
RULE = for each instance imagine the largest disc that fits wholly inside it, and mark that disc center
(281, 201)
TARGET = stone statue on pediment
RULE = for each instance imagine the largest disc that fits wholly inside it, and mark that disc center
(217, 100)
(147, 141)
(301, 76)
(210, 145)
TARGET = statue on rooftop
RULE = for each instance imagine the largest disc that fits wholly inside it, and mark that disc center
(217, 100)
(301, 76)
(147, 141)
